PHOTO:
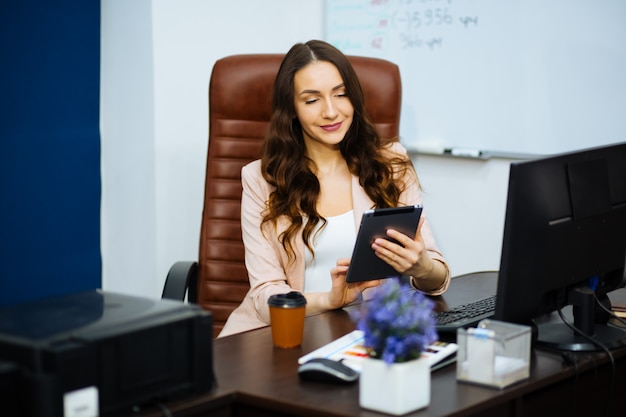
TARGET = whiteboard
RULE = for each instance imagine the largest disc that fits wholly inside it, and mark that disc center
(505, 76)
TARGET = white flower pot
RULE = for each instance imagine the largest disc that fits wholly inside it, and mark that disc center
(397, 388)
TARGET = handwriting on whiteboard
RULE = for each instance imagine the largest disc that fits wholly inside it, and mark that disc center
(372, 25)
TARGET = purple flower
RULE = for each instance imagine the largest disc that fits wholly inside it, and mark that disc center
(397, 322)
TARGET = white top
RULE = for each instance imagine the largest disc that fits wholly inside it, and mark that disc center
(334, 242)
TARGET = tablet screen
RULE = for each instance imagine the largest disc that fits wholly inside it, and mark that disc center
(365, 265)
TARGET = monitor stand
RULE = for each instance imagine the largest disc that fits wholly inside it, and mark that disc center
(559, 336)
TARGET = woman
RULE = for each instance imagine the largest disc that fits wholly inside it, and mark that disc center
(322, 165)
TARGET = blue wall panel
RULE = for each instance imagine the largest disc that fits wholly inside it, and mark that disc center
(49, 148)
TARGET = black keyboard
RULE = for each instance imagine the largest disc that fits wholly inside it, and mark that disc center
(465, 316)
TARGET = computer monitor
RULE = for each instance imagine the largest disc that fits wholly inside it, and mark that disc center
(564, 244)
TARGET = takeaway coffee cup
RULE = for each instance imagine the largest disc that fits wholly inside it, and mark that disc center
(287, 318)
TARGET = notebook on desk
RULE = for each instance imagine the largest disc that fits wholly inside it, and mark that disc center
(349, 349)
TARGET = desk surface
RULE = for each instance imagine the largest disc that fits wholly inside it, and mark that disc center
(256, 376)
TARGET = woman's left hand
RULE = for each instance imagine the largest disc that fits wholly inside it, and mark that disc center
(408, 258)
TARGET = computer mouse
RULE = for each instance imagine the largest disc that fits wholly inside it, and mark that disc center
(327, 370)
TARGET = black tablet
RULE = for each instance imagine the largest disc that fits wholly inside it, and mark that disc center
(365, 265)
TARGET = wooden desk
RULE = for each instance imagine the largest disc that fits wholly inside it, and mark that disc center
(256, 379)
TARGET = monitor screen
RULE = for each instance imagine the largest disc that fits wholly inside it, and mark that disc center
(564, 244)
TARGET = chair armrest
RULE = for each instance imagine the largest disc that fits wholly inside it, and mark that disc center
(182, 279)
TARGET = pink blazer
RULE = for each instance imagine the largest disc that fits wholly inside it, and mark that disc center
(269, 269)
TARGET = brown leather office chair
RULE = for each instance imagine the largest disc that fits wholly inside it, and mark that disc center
(240, 93)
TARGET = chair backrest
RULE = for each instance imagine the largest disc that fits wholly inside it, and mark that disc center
(240, 93)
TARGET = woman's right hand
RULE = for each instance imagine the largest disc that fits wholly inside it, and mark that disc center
(343, 293)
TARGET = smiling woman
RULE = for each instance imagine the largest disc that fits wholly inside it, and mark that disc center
(325, 114)
(323, 107)
(322, 164)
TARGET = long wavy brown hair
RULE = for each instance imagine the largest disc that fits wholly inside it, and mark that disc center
(286, 166)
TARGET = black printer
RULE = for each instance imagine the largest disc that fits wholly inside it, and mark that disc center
(116, 350)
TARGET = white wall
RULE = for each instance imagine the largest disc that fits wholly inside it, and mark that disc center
(157, 57)
(129, 237)
(465, 200)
